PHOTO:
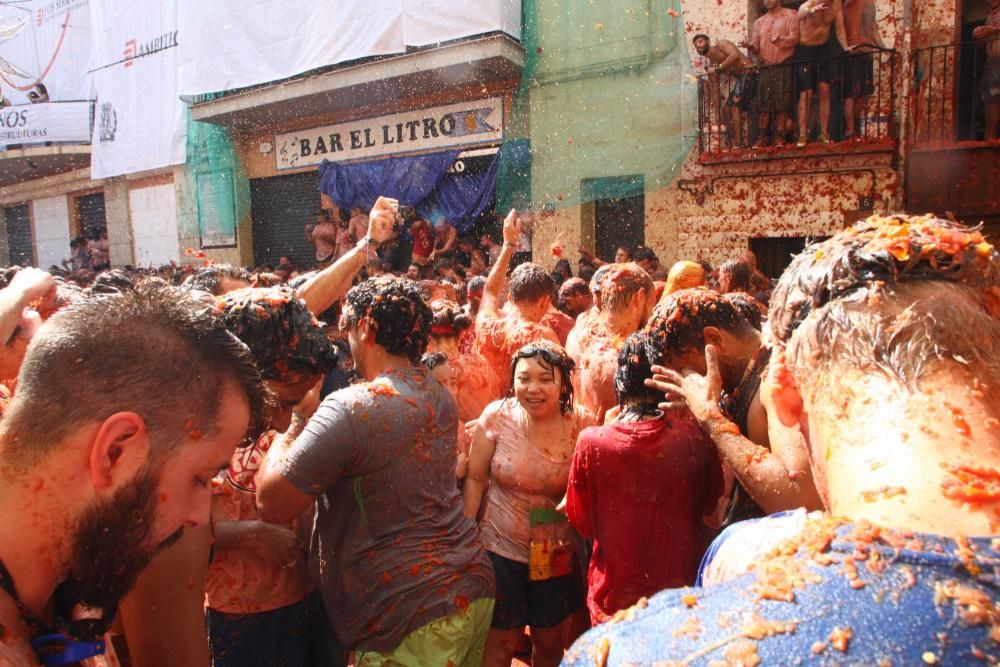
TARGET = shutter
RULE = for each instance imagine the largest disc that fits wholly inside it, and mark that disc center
(90, 209)
(19, 241)
(281, 207)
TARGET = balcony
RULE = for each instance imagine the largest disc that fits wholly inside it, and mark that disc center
(781, 111)
(950, 103)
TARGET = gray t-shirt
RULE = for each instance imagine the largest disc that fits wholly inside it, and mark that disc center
(391, 547)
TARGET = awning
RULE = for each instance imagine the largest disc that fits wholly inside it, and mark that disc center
(24, 164)
(481, 61)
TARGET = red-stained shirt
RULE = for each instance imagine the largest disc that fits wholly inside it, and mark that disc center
(423, 238)
(639, 490)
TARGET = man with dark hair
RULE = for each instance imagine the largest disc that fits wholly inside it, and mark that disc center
(703, 334)
(403, 575)
(728, 60)
(324, 235)
(900, 408)
(734, 276)
(219, 279)
(641, 488)
(500, 334)
(86, 500)
(575, 297)
(627, 300)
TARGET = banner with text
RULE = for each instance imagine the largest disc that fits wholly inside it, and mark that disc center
(45, 50)
(436, 128)
(36, 123)
(139, 120)
(231, 44)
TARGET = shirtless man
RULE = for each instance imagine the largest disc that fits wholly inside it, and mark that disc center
(627, 300)
(88, 499)
(445, 238)
(726, 58)
(859, 81)
(499, 335)
(773, 39)
(991, 73)
(324, 234)
(822, 37)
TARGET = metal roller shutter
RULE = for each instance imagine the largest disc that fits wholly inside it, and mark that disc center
(91, 214)
(22, 248)
(281, 207)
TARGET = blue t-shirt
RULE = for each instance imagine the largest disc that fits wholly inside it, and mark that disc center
(840, 593)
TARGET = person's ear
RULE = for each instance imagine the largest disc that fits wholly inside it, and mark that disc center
(714, 336)
(119, 449)
(780, 394)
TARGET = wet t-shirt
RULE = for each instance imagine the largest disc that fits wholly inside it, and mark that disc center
(640, 490)
(524, 475)
(390, 547)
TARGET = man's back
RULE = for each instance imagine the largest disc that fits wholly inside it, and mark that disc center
(843, 593)
(498, 338)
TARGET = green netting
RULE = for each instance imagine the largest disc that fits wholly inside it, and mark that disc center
(221, 188)
(607, 104)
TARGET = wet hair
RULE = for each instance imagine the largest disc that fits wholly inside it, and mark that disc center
(432, 360)
(749, 308)
(735, 275)
(562, 267)
(634, 368)
(644, 254)
(448, 318)
(111, 282)
(678, 322)
(284, 337)
(300, 280)
(551, 357)
(586, 272)
(628, 250)
(397, 311)
(265, 279)
(892, 295)
(572, 287)
(620, 283)
(530, 282)
(209, 278)
(475, 285)
(700, 35)
(152, 350)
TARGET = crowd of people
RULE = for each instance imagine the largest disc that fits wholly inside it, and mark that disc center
(446, 456)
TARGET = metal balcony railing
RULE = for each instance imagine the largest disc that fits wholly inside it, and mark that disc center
(950, 93)
(777, 109)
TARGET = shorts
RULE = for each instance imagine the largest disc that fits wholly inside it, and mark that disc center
(458, 639)
(298, 634)
(817, 64)
(537, 604)
(991, 79)
(775, 87)
(742, 93)
(859, 79)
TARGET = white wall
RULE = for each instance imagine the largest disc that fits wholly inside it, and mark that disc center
(154, 224)
(51, 218)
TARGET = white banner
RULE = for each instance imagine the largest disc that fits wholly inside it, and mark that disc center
(139, 120)
(37, 123)
(231, 44)
(436, 128)
(46, 42)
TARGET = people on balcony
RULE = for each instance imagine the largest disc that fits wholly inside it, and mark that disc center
(990, 32)
(822, 38)
(727, 59)
(773, 40)
(859, 81)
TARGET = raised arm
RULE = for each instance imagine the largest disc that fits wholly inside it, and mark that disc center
(26, 286)
(326, 287)
(496, 281)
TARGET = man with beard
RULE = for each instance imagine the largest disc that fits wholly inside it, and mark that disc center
(627, 300)
(87, 499)
(900, 410)
(727, 59)
(704, 334)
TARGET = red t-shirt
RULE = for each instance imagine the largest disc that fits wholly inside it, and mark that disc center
(639, 490)
(423, 238)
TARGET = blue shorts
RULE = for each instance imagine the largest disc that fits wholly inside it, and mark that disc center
(537, 604)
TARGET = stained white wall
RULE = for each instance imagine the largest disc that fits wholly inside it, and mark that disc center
(51, 219)
(154, 224)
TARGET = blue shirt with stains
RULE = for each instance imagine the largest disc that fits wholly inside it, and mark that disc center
(838, 594)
